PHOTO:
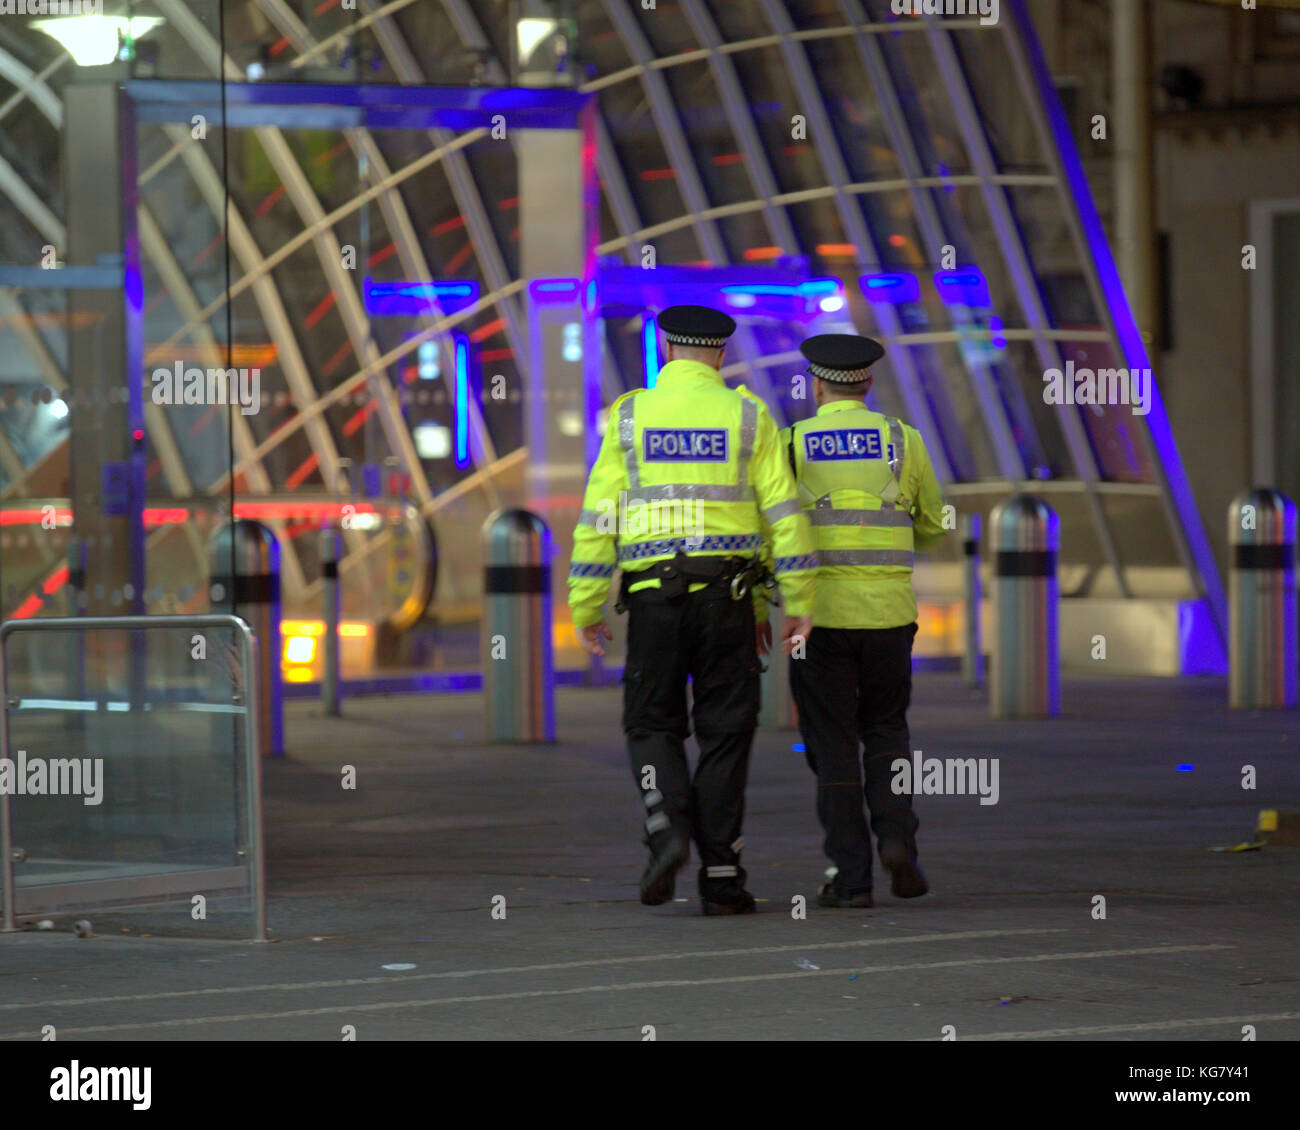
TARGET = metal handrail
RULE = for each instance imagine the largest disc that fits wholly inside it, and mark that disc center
(252, 754)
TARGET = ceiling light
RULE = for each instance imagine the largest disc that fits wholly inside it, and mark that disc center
(93, 41)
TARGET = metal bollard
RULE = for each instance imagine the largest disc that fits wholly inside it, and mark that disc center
(1026, 676)
(972, 660)
(253, 593)
(329, 678)
(518, 650)
(1262, 601)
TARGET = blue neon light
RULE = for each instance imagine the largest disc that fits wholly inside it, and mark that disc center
(555, 290)
(819, 286)
(784, 291)
(963, 287)
(808, 289)
(894, 287)
(650, 346)
(462, 400)
(761, 288)
(414, 299)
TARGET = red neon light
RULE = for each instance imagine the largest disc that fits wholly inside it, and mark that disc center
(322, 308)
(33, 603)
(447, 225)
(458, 260)
(165, 517)
(486, 331)
(358, 417)
(304, 470)
(32, 517)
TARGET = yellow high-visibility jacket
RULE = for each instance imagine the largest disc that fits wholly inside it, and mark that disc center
(691, 466)
(867, 485)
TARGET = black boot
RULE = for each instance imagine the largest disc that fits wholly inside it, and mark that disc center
(734, 901)
(908, 880)
(669, 853)
(843, 900)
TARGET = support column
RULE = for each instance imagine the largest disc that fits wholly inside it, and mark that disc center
(1135, 224)
(559, 221)
(105, 348)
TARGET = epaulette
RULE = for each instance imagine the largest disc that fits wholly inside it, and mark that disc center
(745, 392)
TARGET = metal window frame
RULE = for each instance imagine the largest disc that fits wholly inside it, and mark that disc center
(1112, 304)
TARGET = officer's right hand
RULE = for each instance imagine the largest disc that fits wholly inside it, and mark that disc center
(589, 638)
(797, 629)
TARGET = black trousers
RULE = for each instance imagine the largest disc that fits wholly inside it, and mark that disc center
(852, 689)
(708, 638)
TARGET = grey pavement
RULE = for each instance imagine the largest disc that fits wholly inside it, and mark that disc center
(406, 869)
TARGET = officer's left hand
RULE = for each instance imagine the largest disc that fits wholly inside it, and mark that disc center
(764, 637)
(589, 638)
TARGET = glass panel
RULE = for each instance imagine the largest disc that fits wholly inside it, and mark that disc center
(132, 750)
(739, 22)
(854, 109)
(1008, 128)
(771, 95)
(922, 94)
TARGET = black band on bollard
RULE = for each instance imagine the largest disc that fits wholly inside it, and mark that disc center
(330, 570)
(260, 588)
(1026, 563)
(502, 579)
(1278, 556)
(970, 547)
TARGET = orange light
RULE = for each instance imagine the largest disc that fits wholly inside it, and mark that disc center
(302, 627)
(753, 254)
(837, 250)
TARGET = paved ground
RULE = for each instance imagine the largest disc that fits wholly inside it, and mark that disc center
(405, 869)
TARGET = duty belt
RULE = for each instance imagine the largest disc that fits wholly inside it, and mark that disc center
(737, 574)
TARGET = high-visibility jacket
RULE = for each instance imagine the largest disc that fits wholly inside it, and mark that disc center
(869, 490)
(689, 466)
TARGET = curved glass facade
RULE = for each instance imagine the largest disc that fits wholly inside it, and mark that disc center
(855, 170)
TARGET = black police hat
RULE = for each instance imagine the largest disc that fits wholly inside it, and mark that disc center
(696, 325)
(841, 358)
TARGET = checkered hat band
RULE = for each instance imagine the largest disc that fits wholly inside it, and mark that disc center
(843, 376)
(702, 342)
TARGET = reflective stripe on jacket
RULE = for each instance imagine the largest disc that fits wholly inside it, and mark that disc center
(689, 466)
(866, 483)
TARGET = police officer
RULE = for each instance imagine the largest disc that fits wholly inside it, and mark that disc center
(691, 482)
(866, 483)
